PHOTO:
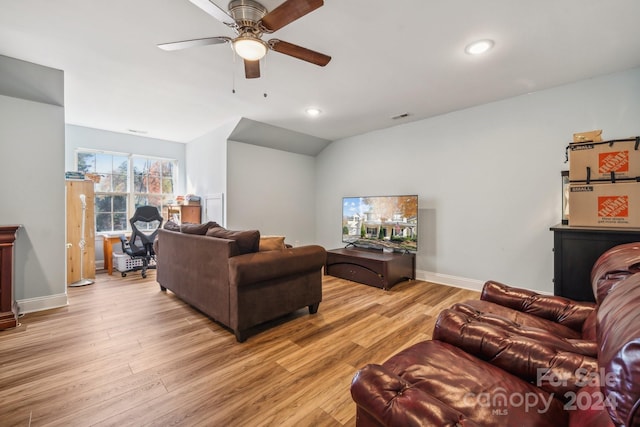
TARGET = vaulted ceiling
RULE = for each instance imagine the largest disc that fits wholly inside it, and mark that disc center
(388, 58)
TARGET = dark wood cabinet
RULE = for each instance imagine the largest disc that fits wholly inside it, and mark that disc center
(8, 306)
(576, 249)
(371, 267)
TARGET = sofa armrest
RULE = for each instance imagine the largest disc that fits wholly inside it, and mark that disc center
(557, 309)
(266, 265)
(392, 401)
(535, 358)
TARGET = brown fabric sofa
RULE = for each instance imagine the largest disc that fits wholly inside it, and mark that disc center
(232, 282)
(516, 365)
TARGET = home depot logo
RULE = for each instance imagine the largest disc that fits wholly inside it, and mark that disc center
(613, 206)
(616, 161)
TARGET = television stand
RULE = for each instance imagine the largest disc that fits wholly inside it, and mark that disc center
(370, 266)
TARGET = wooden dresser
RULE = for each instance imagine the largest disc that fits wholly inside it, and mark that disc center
(8, 306)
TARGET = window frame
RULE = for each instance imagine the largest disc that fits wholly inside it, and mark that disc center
(131, 194)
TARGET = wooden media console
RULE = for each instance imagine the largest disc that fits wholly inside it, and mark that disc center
(370, 266)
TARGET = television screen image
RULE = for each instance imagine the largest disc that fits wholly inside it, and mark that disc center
(381, 222)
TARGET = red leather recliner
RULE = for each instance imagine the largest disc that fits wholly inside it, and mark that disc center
(528, 363)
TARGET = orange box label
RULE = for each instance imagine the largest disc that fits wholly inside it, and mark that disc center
(613, 206)
(615, 161)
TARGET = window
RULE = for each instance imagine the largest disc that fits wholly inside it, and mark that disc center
(127, 181)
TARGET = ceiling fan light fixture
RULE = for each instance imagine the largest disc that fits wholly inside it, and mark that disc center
(313, 111)
(250, 48)
(479, 47)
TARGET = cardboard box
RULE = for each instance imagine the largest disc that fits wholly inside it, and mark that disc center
(592, 135)
(621, 156)
(605, 204)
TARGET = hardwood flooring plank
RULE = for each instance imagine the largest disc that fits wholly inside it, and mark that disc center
(123, 353)
(92, 413)
(92, 375)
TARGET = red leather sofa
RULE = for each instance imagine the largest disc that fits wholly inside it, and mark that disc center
(516, 358)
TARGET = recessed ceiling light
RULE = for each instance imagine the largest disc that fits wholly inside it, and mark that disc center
(479, 47)
(313, 112)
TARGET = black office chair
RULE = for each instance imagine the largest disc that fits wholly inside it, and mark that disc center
(145, 223)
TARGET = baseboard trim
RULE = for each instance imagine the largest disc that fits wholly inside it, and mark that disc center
(31, 305)
(445, 279)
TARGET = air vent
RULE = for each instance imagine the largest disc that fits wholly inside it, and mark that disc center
(400, 116)
(138, 131)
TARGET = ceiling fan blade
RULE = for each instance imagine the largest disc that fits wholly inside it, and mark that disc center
(215, 11)
(252, 69)
(193, 43)
(288, 12)
(299, 52)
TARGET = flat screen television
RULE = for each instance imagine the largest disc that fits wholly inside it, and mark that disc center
(381, 222)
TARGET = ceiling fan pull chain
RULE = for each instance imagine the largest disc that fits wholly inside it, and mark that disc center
(265, 66)
(233, 72)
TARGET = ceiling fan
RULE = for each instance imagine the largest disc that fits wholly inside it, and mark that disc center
(250, 20)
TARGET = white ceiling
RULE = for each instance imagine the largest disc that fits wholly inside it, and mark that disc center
(389, 57)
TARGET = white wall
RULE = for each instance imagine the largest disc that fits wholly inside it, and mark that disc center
(265, 189)
(32, 175)
(207, 164)
(272, 191)
(488, 178)
(97, 139)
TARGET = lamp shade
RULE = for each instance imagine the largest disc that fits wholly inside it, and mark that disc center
(250, 48)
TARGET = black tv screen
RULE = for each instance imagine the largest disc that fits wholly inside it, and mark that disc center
(381, 222)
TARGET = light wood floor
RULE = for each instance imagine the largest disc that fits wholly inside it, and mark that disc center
(124, 353)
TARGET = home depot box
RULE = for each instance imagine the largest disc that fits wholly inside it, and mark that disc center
(605, 204)
(596, 160)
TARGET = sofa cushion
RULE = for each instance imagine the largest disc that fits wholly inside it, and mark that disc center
(479, 307)
(398, 403)
(248, 241)
(562, 311)
(534, 355)
(200, 229)
(271, 243)
(483, 392)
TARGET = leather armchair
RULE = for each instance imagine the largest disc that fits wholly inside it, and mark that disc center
(501, 369)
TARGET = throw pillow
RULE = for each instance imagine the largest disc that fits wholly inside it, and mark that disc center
(171, 226)
(271, 243)
(248, 241)
(200, 229)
